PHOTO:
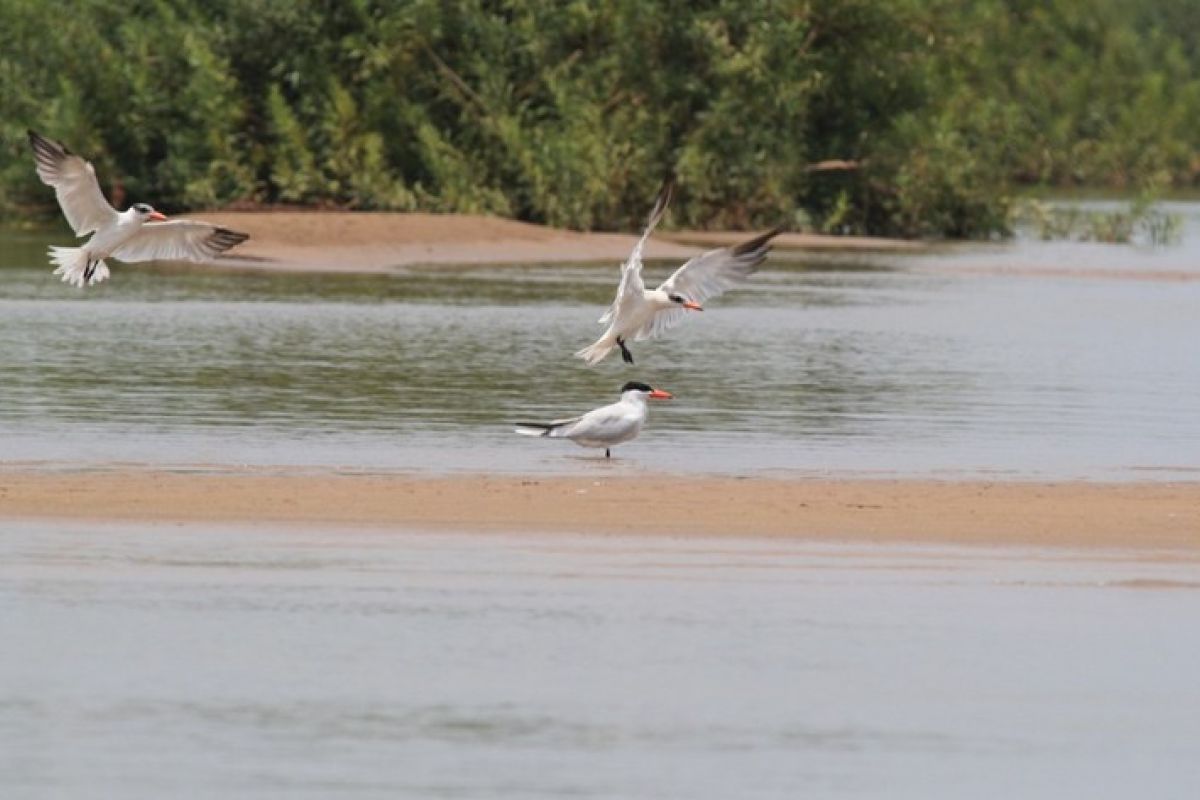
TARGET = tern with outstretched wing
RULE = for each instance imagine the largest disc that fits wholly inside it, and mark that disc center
(639, 313)
(137, 234)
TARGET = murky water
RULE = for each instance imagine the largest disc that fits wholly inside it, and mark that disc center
(201, 661)
(936, 364)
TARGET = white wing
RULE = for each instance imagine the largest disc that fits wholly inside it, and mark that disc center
(178, 240)
(709, 275)
(631, 271)
(606, 424)
(75, 185)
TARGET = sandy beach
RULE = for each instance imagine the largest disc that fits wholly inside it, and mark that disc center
(1135, 516)
(331, 241)
(381, 242)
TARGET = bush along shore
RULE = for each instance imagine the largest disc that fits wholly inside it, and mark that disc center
(908, 118)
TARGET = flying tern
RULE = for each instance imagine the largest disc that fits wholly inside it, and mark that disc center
(137, 234)
(639, 313)
(602, 427)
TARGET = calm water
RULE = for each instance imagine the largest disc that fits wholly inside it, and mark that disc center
(948, 363)
(220, 662)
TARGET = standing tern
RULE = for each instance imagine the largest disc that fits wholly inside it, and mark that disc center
(602, 427)
(641, 313)
(137, 234)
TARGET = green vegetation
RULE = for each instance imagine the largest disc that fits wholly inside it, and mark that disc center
(1140, 221)
(569, 113)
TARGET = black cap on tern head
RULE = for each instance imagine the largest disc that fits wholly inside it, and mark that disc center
(635, 386)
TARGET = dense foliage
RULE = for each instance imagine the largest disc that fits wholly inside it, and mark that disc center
(570, 113)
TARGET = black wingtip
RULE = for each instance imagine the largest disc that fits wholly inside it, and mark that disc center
(224, 238)
(662, 200)
(757, 242)
(667, 188)
(43, 143)
(544, 427)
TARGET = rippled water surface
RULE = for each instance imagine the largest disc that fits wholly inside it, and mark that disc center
(1022, 360)
(201, 661)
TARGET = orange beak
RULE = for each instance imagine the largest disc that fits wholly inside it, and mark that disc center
(157, 217)
(688, 304)
(659, 394)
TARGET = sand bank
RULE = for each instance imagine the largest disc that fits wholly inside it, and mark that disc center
(378, 242)
(1139, 516)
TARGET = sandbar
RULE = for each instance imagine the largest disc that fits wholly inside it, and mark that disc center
(1149, 516)
(373, 242)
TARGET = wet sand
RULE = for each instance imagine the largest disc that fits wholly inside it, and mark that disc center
(1136, 516)
(331, 241)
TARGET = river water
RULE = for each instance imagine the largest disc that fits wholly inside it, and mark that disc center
(215, 661)
(150, 661)
(1023, 359)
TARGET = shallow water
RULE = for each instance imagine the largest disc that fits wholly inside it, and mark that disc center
(201, 661)
(935, 364)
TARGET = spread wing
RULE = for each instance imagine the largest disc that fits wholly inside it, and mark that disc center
(709, 275)
(75, 185)
(631, 271)
(178, 240)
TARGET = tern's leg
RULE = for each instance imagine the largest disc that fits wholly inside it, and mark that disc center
(607, 454)
(90, 270)
(625, 354)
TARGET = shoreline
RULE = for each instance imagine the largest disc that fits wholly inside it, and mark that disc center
(380, 243)
(1142, 517)
(361, 241)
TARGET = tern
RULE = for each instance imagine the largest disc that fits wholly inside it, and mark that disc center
(605, 426)
(639, 313)
(137, 234)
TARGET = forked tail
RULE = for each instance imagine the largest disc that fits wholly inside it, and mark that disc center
(556, 429)
(76, 267)
(533, 428)
(593, 354)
